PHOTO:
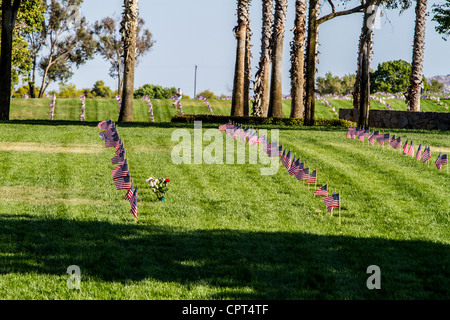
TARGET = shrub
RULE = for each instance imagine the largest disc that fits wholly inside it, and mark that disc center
(154, 92)
(207, 94)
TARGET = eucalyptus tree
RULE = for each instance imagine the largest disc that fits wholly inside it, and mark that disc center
(69, 41)
(109, 45)
(311, 48)
(26, 14)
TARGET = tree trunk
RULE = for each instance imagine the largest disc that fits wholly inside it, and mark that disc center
(9, 15)
(240, 32)
(262, 77)
(366, 42)
(128, 29)
(413, 92)
(311, 49)
(247, 72)
(297, 60)
(276, 88)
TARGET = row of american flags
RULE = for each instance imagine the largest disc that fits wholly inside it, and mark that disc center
(291, 162)
(120, 174)
(396, 143)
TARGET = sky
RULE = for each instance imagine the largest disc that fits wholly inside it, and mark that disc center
(200, 33)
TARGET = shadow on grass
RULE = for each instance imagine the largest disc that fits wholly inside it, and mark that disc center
(272, 265)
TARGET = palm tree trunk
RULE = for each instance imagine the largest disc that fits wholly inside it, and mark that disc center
(413, 92)
(276, 88)
(262, 77)
(311, 50)
(248, 69)
(128, 30)
(240, 32)
(297, 60)
(9, 15)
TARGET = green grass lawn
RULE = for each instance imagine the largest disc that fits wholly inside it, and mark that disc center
(225, 231)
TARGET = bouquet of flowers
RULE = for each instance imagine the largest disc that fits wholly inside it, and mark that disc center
(159, 186)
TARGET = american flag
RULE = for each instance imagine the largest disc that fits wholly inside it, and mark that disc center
(441, 160)
(444, 159)
(426, 154)
(353, 132)
(411, 149)
(118, 158)
(113, 171)
(383, 138)
(253, 139)
(260, 140)
(120, 171)
(104, 124)
(332, 201)
(129, 194)
(405, 148)
(419, 153)
(133, 202)
(362, 134)
(123, 183)
(287, 161)
(283, 156)
(373, 137)
(348, 135)
(323, 191)
(438, 162)
(112, 141)
(397, 143)
(313, 177)
(302, 174)
(107, 134)
(295, 167)
(236, 132)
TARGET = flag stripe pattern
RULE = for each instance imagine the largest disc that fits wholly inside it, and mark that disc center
(120, 174)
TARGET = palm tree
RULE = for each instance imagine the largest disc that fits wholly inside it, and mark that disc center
(297, 59)
(128, 30)
(240, 32)
(311, 50)
(262, 77)
(247, 69)
(413, 92)
(276, 93)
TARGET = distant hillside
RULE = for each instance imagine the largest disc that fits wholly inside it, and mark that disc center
(444, 79)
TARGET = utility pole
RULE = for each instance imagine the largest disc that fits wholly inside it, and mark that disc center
(195, 82)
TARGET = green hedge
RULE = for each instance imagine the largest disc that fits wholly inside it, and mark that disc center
(207, 118)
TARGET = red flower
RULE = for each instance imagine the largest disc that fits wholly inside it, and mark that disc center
(167, 180)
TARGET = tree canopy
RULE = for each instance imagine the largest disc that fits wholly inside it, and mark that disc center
(442, 17)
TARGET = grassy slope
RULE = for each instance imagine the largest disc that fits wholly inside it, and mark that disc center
(224, 231)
